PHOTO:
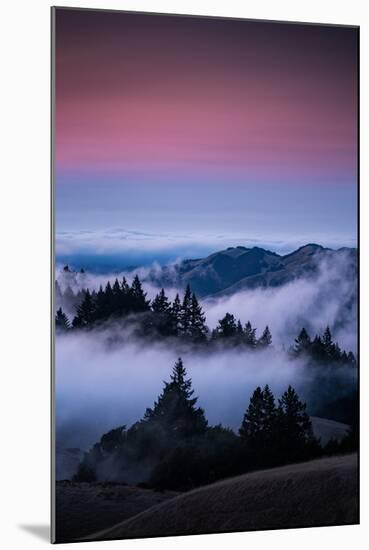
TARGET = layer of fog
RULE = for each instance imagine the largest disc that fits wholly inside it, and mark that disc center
(100, 386)
(327, 298)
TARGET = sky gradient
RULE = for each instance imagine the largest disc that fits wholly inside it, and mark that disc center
(160, 107)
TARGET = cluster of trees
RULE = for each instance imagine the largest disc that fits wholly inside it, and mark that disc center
(185, 318)
(321, 349)
(233, 332)
(173, 446)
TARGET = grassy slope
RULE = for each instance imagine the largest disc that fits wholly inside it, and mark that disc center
(315, 493)
(82, 508)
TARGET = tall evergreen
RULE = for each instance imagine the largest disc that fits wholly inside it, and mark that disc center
(302, 342)
(175, 410)
(160, 303)
(109, 300)
(258, 427)
(85, 312)
(250, 335)
(265, 339)
(227, 326)
(295, 428)
(61, 320)
(185, 315)
(175, 312)
(138, 296)
(328, 344)
(198, 328)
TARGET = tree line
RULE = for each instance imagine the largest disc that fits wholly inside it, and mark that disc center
(185, 318)
(173, 446)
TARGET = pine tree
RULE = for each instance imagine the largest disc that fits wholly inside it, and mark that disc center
(185, 315)
(138, 297)
(160, 303)
(175, 313)
(328, 344)
(175, 410)
(198, 328)
(109, 301)
(259, 423)
(265, 339)
(100, 304)
(61, 320)
(302, 343)
(295, 428)
(318, 349)
(250, 335)
(227, 327)
(85, 312)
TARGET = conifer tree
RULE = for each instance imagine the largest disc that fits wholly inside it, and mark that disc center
(265, 339)
(109, 300)
(61, 320)
(302, 343)
(100, 304)
(185, 315)
(198, 328)
(250, 335)
(327, 342)
(138, 296)
(295, 428)
(259, 423)
(318, 349)
(175, 312)
(227, 327)
(160, 303)
(175, 410)
(85, 312)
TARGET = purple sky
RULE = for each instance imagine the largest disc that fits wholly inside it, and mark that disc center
(163, 123)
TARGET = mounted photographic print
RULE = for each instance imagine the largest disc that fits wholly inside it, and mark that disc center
(205, 197)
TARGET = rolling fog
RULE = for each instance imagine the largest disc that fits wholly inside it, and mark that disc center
(100, 386)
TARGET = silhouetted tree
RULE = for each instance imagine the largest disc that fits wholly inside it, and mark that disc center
(250, 335)
(138, 297)
(85, 312)
(61, 320)
(295, 432)
(227, 327)
(265, 339)
(198, 328)
(160, 304)
(185, 315)
(258, 427)
(175, 312)
(175, 410)
(302, 343)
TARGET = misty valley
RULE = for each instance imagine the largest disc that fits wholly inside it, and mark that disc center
(165, 389)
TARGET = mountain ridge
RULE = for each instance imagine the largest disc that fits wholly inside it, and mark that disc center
(237, 268)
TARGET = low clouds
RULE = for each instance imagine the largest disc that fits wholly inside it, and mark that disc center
(117, 248)
(100, 385)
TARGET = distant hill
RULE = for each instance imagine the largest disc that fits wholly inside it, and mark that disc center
(316, 493)
(238, 268)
